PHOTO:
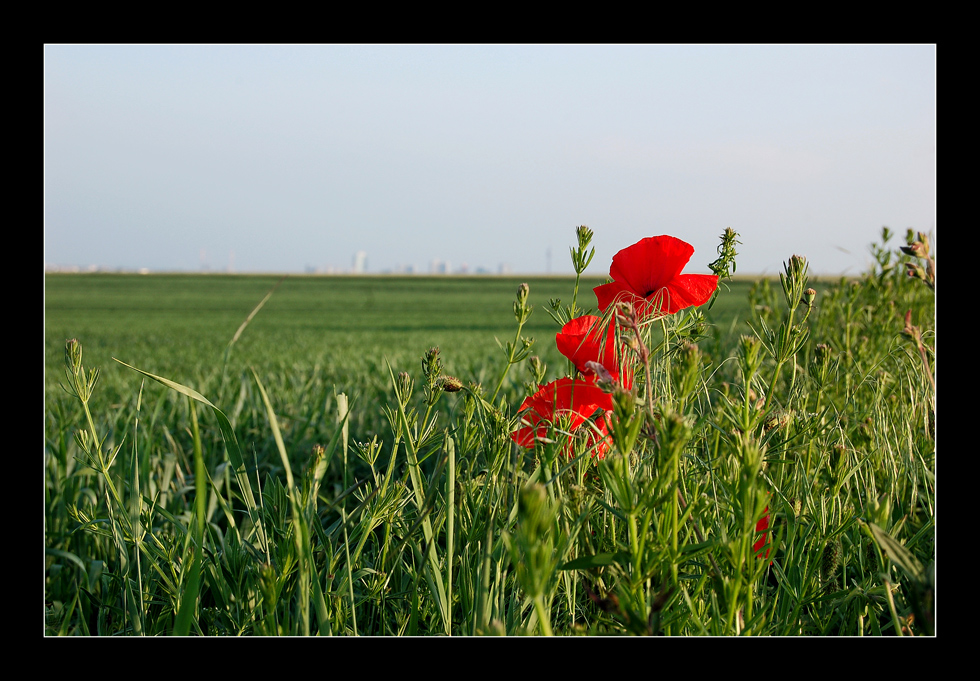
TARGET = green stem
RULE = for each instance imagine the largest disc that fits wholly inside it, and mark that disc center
(542, 615)
(510, 360)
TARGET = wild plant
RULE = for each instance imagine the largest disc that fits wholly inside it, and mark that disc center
(659, 479)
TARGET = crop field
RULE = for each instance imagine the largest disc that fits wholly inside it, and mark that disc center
(354, 455)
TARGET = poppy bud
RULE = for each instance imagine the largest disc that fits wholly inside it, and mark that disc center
(604, 379)
(916, 249)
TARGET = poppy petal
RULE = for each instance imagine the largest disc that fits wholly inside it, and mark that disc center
(607, 294)
(687, 290)
(650, 264)
(582, 340)
(762, 526)
(648, 276)
(576, 399)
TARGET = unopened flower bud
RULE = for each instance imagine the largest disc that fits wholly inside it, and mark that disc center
(797, 265)
(521, 309)
(317, 455)
(405, 385)
(431, 366)
(822, 352)
(604, 379)
(625, 314)
(915, 271)
(916, 249)
(450, 384)
(537, 369)
(751, 347)
(73, 354)
(584, 235)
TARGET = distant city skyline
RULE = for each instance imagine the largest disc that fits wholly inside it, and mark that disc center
(294, 158)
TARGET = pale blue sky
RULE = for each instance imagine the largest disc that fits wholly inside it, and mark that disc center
(283, 158)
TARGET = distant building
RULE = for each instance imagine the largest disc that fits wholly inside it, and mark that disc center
(360, 262)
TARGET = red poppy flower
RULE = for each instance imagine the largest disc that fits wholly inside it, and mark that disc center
(762, 526)
(575, 399)
(648, 276)
(582, 340)
(598, 440)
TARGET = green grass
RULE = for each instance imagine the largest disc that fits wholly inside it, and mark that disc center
(343, 497)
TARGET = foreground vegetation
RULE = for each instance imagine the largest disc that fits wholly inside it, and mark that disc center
(313, 465)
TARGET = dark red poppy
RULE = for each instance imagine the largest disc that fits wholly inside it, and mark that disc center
(583, 340)
(648, 276)
(762, 526)
(576, 400)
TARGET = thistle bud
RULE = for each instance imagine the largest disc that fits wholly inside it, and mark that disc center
(450, 384)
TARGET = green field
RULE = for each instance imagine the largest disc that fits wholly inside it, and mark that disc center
(425, 518)
(175, 323)
(338, 330)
